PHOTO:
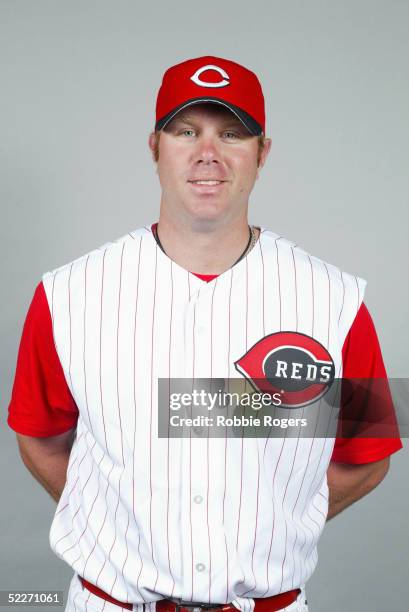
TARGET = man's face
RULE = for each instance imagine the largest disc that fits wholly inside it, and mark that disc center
(207, 163)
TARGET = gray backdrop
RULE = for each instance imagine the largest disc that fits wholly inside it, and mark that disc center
(79, 81)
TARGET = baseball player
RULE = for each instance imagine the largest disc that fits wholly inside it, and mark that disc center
(169, 523)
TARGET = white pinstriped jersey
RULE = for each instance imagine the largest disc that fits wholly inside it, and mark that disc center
(210, 519)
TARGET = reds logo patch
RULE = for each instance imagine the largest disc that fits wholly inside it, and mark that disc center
(294, 365)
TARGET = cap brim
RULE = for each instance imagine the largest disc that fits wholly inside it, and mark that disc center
(249, 123)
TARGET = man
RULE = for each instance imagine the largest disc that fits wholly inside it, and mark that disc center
(148, 521)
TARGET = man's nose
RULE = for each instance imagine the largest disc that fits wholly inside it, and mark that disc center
(207, 150)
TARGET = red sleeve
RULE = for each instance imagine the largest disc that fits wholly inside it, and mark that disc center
(41, 403)
(362, 358)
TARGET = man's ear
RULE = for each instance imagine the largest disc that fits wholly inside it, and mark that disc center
(264, 154)
(152, 143)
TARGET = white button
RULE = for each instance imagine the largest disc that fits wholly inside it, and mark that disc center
(200, 567)
(198, 499)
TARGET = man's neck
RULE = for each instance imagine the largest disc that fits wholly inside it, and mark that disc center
(203, 251)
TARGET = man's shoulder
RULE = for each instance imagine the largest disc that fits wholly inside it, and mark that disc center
(304, 258)
(97, 253)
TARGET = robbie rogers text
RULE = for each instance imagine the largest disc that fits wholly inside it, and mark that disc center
(235, 421)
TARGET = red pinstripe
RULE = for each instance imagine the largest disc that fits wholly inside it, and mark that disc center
(190, 443)
(343, 296)
(120, 420)
(225, 440)
(279, 302)
(329, 303)
(279, 280)
(117, 356)
(100, 351)
(135, 407)
(84, 347)
(296, 292)
(262, 268)
(255, 527)
(242, 437)
(208, 476)
(150, 420)
(168, 449)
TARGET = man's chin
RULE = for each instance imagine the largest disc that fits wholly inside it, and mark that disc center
(207, 211)
(210, 214)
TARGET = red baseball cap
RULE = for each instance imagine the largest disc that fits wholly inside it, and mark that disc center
(215, 80)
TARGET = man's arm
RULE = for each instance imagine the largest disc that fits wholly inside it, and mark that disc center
(347, 482)
(47, 459)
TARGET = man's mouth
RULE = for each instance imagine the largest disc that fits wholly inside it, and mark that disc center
(207, 182)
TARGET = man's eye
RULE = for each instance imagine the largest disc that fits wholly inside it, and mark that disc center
(231, 135)
(188, 132)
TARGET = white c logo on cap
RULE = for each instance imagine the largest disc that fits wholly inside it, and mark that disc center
(196, 77)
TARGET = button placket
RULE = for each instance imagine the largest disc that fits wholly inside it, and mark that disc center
(199, 516)
(197, 353)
